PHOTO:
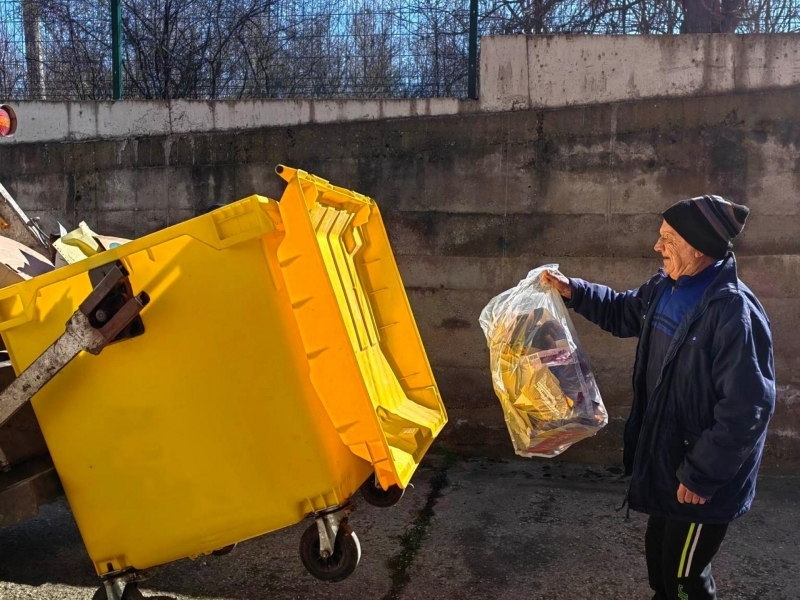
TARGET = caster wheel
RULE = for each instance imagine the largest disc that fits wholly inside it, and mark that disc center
(338, 567)
(131, 593)
(224, 551)
(377, 496)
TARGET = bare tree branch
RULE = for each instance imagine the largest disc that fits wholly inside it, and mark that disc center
(321, 48)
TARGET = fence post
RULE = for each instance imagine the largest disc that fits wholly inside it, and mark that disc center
(116, 48)
(472, 84)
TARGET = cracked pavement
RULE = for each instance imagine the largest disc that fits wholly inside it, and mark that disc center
(495, 529)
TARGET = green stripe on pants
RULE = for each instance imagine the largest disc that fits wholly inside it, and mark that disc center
(686, 549)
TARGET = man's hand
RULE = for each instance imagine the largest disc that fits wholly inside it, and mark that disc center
(558, 281)
(685, 496)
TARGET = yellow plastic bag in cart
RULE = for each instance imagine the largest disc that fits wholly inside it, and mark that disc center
(539, 370)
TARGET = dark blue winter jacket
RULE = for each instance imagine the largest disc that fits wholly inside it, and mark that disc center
(706, 422)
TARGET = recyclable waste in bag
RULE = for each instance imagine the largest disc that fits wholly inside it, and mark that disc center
(539, 370)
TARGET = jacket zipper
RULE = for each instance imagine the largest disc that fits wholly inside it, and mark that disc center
(651, 311)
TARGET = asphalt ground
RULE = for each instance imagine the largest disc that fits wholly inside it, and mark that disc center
(495, 529)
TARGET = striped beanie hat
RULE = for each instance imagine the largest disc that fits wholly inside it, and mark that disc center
(708, 223)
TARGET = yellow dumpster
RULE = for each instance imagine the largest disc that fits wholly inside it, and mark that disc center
(279, 369)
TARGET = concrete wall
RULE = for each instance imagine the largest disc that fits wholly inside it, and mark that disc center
(472, 202)
(516, 73)
(521, 72)
(64, 121)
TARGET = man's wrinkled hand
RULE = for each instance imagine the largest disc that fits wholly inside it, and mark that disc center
(686, 496)
(558, 281)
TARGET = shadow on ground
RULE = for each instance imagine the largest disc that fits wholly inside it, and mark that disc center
(503, 529)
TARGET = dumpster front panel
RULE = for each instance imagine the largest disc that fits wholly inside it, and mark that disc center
(206, 430)
(370, 339)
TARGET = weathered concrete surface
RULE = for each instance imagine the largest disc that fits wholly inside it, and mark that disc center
(546, 71)
(62, 121)
(474, 529)
(473, 202)
(516, 73)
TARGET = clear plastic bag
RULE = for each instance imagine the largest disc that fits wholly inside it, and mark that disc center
(540, 372)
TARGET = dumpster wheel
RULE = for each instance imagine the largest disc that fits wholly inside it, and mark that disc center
(375, 495)
(340, 564)
(131, 593)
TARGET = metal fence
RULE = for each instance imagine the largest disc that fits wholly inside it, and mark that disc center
(229, 49)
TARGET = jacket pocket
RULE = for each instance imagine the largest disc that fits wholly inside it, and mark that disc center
(674, 447)
(699, 339)
(687, 440)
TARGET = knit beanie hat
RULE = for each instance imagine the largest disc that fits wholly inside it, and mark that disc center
(708, 223)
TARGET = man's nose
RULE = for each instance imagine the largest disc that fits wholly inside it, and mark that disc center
(659, 246)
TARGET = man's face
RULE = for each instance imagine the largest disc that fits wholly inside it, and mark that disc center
(679, 257)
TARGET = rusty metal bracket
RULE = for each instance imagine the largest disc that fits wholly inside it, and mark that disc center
(115, 584)
(328, 524)
(25, 488)
(108, 314)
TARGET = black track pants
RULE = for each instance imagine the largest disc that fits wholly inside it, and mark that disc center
(679, 558)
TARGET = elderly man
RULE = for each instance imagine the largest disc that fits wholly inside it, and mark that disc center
(704, 391)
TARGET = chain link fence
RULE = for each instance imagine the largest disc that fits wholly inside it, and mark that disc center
(232, 49)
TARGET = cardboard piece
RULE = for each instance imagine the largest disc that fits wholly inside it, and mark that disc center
(20, 263)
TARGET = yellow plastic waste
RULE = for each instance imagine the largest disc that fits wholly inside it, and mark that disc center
(279, 369)
(83, 243)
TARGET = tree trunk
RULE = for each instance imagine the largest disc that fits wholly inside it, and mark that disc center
(33, 50)
(710, 16)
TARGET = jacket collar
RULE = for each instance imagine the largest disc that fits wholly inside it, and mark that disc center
(726, 282)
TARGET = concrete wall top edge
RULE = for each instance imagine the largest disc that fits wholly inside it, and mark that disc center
(517, 73)
(533, 72)
(42, 121)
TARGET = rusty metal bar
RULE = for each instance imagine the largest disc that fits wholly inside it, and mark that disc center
(15, 224)
(114, 276)
(80, 336)
(123, 318)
